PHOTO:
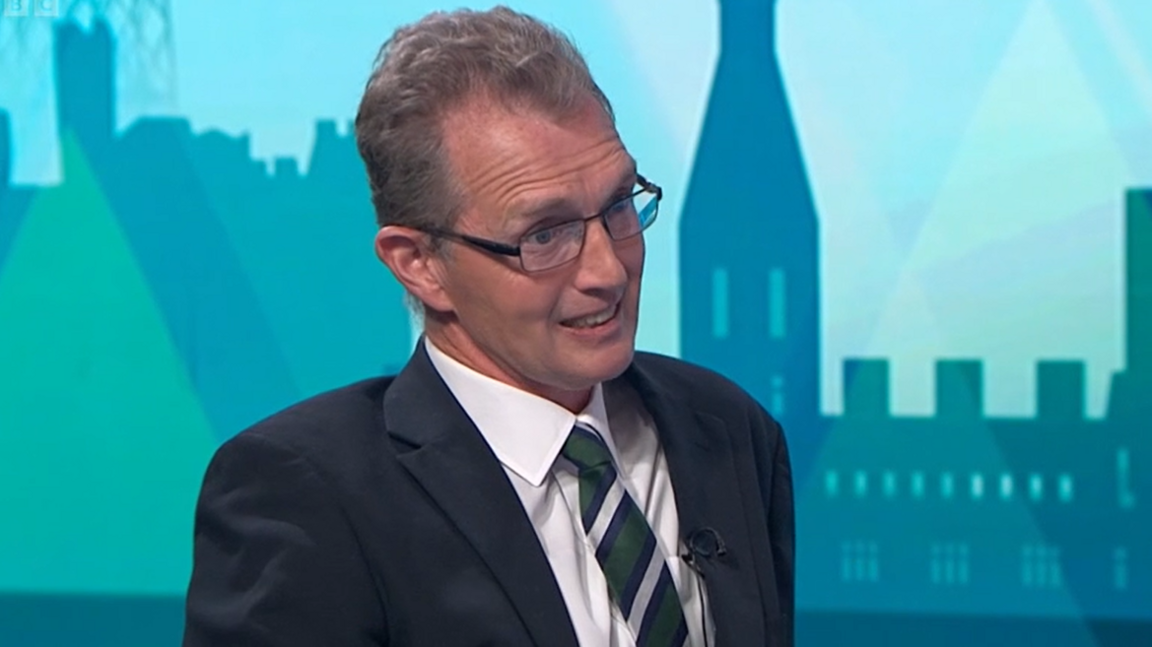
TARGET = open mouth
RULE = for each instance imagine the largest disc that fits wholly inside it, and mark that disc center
(593, 320)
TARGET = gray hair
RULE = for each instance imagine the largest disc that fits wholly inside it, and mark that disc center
(432, 66)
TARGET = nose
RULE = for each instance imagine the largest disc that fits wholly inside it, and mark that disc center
(600, 267)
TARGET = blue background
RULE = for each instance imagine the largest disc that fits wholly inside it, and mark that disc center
(915, 231)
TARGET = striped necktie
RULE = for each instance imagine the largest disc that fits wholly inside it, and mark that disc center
(626, 548)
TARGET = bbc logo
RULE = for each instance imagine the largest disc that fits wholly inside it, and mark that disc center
(34, 8)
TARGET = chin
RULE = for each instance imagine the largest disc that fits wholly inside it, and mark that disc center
(611, 364)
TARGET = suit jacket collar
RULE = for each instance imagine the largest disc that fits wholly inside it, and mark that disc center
(448, 456)
(445, 452)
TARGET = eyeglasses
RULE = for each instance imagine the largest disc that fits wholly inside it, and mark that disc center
(554, 245)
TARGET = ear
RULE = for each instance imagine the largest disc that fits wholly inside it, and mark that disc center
(407, 254)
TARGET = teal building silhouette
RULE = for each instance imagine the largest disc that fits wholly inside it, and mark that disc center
(749, 270)
(1131, 395)
(963, 513)
(241, 287)
(265, 278)
(85, 73)
(957, 513)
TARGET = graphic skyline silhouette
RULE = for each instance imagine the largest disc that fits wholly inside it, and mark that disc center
(256, 273)
(751, 294)
(268, 292)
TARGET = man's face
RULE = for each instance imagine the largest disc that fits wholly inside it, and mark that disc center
(521, 170)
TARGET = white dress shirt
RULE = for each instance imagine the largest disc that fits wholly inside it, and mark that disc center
(527, 432)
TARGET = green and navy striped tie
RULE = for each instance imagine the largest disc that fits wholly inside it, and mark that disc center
(626, 548)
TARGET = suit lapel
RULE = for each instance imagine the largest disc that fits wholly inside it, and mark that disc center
(451, 461)
(708, 495)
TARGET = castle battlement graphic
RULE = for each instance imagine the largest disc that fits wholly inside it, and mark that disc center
(1060, 389)
(957, 512)
(963, 512)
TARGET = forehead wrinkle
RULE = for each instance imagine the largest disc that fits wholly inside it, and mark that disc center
(609, 153)
(493, 154)
(528, 207)
(519, 193)
(513, 174)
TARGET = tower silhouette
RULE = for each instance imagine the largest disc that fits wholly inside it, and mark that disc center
(1129, 399)
(86, 84)
(142, 29)
(1138, 266)
(749, 237)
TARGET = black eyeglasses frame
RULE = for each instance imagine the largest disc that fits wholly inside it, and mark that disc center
(504, 249)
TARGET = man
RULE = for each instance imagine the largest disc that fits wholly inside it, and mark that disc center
(527, 479)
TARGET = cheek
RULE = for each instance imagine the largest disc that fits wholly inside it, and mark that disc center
(631, 254)
(517, 305)
(633, 261)
(506, 303)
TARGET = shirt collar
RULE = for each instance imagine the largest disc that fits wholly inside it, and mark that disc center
(527, 441)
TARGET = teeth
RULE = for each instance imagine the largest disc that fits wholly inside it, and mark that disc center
(592, 320)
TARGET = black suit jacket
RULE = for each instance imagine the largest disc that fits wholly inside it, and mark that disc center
(377, 515)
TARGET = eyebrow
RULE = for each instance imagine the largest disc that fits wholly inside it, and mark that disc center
(554, 205)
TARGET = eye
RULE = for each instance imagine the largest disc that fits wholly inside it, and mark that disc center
(541, 237)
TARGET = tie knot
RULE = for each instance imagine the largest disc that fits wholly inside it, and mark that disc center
(586, 449)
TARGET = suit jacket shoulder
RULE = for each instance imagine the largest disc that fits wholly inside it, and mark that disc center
(279, 554)
(328, 421)
(373, 514)
(702, 388)
(709, 393)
